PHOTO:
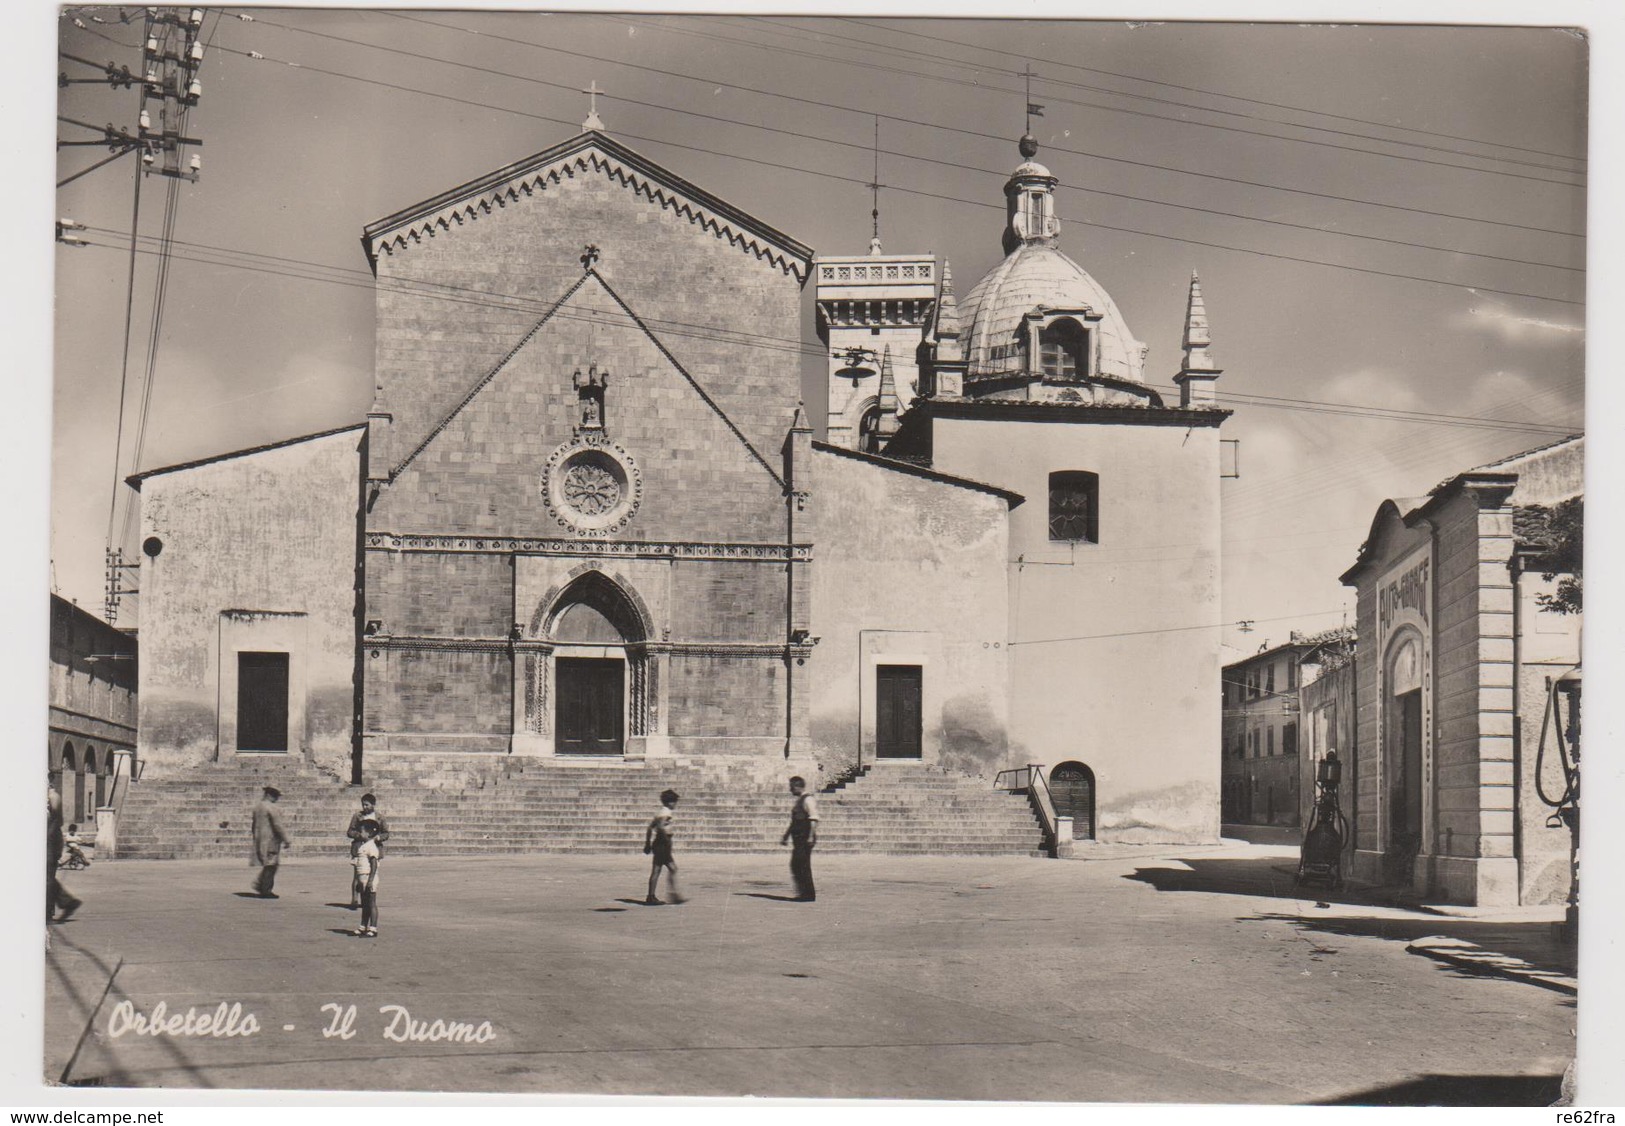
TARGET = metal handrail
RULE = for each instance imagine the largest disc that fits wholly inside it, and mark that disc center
(1038, 794)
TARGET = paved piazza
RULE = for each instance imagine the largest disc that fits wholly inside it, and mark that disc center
(1192, 976)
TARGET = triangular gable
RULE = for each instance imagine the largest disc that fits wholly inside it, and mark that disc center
(557, 307)
(589, 153)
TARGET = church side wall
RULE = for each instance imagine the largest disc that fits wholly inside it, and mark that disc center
(1106, 668)
(908, 571)
(258, 554)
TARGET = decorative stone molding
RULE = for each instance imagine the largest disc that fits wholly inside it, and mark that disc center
(630, 549)
(593, 161)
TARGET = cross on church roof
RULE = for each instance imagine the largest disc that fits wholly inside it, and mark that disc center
(592, 91)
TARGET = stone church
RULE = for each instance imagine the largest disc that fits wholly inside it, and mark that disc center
(587, 522)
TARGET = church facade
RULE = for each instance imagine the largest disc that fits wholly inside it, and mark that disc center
(587, 519)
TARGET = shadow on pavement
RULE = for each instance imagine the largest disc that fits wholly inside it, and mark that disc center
(1533, 942)
(1270, 876)
(765, 895)
(1460, 1090)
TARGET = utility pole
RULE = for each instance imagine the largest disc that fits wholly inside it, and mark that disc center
(171, 57)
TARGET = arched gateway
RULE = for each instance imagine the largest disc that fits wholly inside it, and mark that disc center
(598, 668)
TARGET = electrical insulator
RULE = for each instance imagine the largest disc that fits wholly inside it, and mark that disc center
(196, 163)
(195, 90)
(197, 16)
(152, 44)
(152, 78)
(146, 121)
(146, 157)
(197, 52)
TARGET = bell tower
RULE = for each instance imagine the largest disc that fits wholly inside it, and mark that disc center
(869, 305)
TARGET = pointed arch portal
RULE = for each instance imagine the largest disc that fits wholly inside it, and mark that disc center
(592, 683)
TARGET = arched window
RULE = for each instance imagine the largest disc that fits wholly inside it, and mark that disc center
(1074, 507)
(1063, 350)
(869, 431)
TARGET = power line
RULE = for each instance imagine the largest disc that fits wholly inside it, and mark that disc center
(870, 113)
(1168, 629)
(1217, 94)
(1393, 414)
(482, 298)
(1132, 112)
(915, 191)
(668, 108)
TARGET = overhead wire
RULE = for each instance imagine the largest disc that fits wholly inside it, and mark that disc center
(922, 193)
(870, 113)
(870, 25)
(1052, 96)
(300, 269)
(960, 164)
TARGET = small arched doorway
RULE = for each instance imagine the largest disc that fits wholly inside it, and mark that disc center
(1072, 789)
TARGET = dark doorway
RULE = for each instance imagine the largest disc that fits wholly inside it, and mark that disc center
(1405, 785)
(591, 705)
(262, 701)
(897, 711)
(1072, 789)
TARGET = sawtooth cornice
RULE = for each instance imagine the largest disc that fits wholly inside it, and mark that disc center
(590, 153)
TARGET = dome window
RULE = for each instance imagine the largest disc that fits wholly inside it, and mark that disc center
(1074, 507)
(1063, 350)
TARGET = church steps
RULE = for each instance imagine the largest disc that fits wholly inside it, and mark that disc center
(491, 808)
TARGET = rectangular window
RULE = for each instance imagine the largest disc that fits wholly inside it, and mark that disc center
(1291, 674)
(1269, 678)
(262, 701)
(1269, 742)
(1289, 740)
(1074, 507)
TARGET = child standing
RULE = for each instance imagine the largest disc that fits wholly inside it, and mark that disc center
(657, 839)
(366, 874)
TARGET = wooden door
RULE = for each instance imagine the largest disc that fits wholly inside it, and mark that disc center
(897, 711)
(1072, 789)
(591, 705)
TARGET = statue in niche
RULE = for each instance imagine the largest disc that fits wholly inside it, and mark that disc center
(590, 387)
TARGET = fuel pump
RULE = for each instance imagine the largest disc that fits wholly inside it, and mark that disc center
(1320, 858)
(1563, 715)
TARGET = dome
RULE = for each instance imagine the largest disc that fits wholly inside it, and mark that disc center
(1034, 275)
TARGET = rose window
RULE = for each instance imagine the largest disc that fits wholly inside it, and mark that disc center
(591, 489)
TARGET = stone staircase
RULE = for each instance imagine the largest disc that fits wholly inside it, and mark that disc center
(527, 806)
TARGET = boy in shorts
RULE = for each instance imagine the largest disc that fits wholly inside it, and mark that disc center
(657, 840)
(366, 875)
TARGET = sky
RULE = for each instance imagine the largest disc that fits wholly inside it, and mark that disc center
(1306, 173)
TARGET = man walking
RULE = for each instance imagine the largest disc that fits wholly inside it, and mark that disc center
(55, 894)
(269, 840)
(368, 812)
(801, 836)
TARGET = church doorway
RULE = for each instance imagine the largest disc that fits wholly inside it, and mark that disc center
(1072, 789)
(897, 711)
(599, 669)
(591, 705)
